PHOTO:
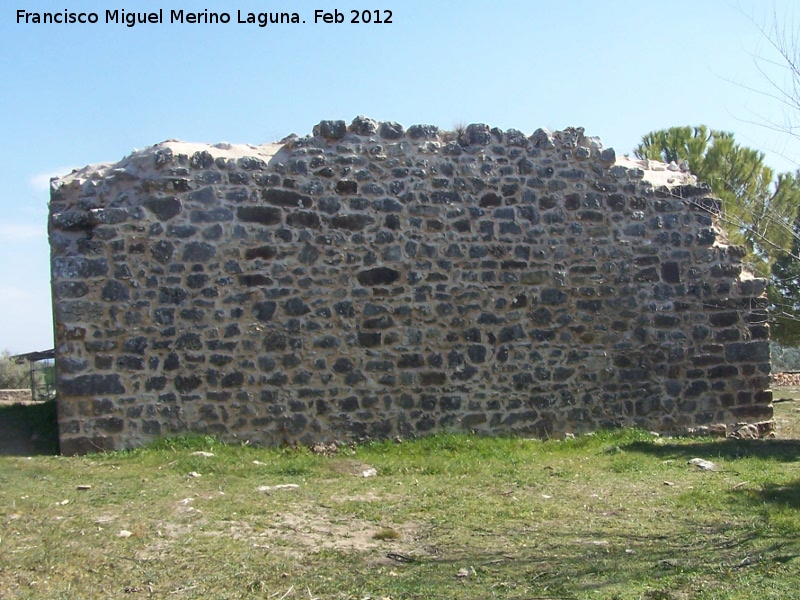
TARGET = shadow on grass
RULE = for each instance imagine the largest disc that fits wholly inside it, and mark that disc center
(784, 495)
(731, 450)
(28, 429)
(578, 561)
(728, 449)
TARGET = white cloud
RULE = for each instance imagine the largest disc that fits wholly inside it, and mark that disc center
(41, 181)
(20, 232)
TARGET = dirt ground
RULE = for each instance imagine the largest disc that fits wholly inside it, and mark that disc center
(28, 429)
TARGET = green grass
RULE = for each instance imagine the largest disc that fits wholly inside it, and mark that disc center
(617, 515)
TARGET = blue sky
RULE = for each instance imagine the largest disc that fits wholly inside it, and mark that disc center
(73, 95)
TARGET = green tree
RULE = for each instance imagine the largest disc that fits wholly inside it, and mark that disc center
(759, 209)
(758, 205)
(784, 293)
(13, 376)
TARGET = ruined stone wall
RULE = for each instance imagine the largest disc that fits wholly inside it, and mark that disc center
(369, 281)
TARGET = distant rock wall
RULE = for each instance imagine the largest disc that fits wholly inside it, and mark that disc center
(14, 396)
(371, 281)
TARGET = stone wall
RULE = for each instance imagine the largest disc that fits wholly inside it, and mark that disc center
(370, 281)
(15, 396)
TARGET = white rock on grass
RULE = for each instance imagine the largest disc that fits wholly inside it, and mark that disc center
(274, 488)
(705, 465)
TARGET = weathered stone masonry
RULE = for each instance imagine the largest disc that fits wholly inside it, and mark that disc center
(370, 281)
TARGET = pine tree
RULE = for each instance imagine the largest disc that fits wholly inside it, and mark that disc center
(785, 293)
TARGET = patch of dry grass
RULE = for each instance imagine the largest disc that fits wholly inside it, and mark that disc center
(615, 515)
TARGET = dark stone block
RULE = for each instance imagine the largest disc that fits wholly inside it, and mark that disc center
(346, 187)
(130, 363)
(593, 216)
(327, 341)
(115, 291)
(724, 319)
(670, 272)
(91, 385)
(351, 222)
(331, 130)
(164, 208)
(198, 252)
(723, 372)
(390, 130)
(264, 310)
(172, 362)
(303, 219)
(71, 220)
(329, 205)
(369, 339)
(70, 289)
(647, 275)
(433, 378)
(380, 366)
(263, 215)
(295, 307)
(181, 231)
(634, 374)
(264, 252)
(345, 308)
(706, 237)
(343, 365)
(255, 280)
(696, 388)
(187, 383)
(507, 334)
(235, 379)
(553, 297)
(78, 267)
(563, 373)
(378, 276)
(427, 132)
(215, 215)
(348, 404)
(589, 305)
(666, 321)
(136, 345)
(411, 361)
(748, 352)
(286, 198)
(490, 200)
(162, 251)
(189, 341)
(476, 353)
(382, 322)
(354, 378)
(754, 412)
(205, 195)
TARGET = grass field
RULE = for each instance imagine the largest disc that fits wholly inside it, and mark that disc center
(613, 515)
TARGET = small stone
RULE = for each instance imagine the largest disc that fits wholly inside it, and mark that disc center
(203, 454)
(466, 573)
(705, 465)
(371, 472)
(84, 487)
(194, 474)
(124, 534)
(274, 488)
